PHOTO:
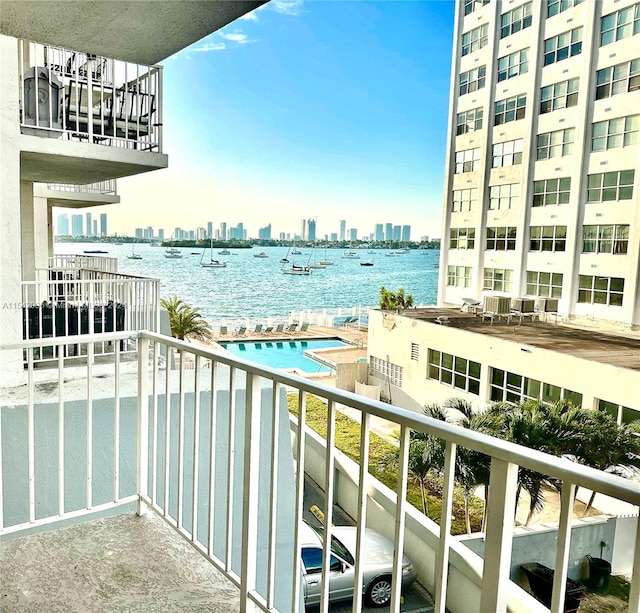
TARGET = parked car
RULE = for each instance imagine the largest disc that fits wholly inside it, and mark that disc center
(378, 565)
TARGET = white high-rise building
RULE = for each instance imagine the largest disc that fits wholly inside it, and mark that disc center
(543, 165)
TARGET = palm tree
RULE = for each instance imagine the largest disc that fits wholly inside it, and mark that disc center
(186, 322)
(390, 301)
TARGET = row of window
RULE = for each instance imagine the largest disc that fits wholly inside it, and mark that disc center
(554, 7)
(619, 25)
(602, 238)
(591, 289)
(601, 187)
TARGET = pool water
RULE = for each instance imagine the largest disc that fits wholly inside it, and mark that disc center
(283, 353)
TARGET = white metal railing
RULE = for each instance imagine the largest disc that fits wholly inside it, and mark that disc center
(87, 302)
(85, 97)
(101, 187)
(64, 263)
(188, 438)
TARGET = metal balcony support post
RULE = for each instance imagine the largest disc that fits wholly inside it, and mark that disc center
(250, 493)
(143, 424)
(562, 552)
(442, 557)
(500, 518)
(401, 510)
(634, 592)
(362, 510)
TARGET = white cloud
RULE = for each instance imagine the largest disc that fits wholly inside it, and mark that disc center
(286, 7)
(207, 46)
(237, 37)
(252, 16)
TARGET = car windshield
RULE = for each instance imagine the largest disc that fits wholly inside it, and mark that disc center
(336, 546)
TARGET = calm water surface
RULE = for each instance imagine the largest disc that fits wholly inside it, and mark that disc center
(255, 288)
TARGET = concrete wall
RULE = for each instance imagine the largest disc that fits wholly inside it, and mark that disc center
(594, 380)
(15, 469)
(421, 536)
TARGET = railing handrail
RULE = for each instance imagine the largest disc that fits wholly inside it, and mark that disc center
(562, 468)
(107, 275)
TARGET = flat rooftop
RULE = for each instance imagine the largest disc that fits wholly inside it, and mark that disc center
(598, 346)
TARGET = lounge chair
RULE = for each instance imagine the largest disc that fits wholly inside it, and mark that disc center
(292, 328)
(304, 327)
(268, 330)
(257, 329)
(279, 328)
(223, 330)
(240, 331)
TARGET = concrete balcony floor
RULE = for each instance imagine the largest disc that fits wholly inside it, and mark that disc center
(123, 563)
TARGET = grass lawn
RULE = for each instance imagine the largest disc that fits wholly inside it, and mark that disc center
(381, 466)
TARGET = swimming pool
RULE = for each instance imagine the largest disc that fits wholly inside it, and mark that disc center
(283, 353)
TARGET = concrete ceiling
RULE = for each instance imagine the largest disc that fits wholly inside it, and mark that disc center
(139, 31)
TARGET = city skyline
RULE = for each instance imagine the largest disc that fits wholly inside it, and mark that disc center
(295, 118)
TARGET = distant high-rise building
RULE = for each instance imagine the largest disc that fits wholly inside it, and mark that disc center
(241, 234)
(209, 229)
(424, 239)
(103, 224)
(343, 229)
(388, 231)
(201, 234)
(161, 234)
(63, 224)
(88, 224)
(379, 233)
(353, 234)
(95, 227)
(303, 230)
(334, 237)
(148, 233)
(139, 233)
(396, 233)
(192, 235)
(311, 229)
(406, 233)
(76, 225)
(265, 233)
(223, 231)
(282, 236)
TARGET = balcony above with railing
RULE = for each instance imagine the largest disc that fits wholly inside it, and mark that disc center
(68, 98)
(69, 195)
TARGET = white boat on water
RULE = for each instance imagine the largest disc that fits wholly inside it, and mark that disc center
(262, 254)
(173, 253)
(297, 270)
(224, 252)
(134, 255)
(211, 263)
(350, 255)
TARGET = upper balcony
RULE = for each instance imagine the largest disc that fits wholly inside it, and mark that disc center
(68, 195)
(213, 452)
(67, 97)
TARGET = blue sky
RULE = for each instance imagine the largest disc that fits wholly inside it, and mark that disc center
(327, 109)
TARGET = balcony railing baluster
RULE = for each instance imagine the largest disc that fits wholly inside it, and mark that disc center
(401, 515)
(361, 519)
(196, 449)
(273, 488)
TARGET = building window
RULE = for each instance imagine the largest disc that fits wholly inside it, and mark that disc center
(558, 6)
(600, 290)
(383, 369)
(501, 239)
(510, 109)
(504, 196)
(472, 5)
(459, 276)
(618, 79)
(462, 238)
(605, 239)
(619, 25)
(563, 46)
(547, 238)
(465, 199)
(513, 65)
(516, 20)
(559, 96)
(475, 39)
(467, 160)
(457, 372)
(472, 80)
(614, 133)
(610, 186)
(544, 284)
(622, 414)
(498, 279)
(551, 192)
(508, 153)
(555, 144)
(511, 387)
(469, 121)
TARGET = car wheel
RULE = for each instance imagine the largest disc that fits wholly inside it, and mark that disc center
(379, 592)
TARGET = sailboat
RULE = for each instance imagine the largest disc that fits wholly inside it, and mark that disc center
(326, 262)
(315, 264)
(134, 255)
(172, 252)
(211, 263)
(350, 254)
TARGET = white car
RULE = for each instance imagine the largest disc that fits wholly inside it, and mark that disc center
(378, 565)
